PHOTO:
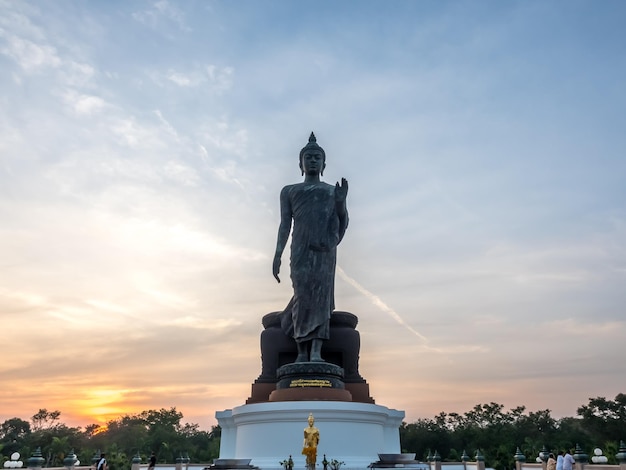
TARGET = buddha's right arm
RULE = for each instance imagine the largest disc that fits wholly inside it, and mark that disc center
(285, 223)
(283, 236)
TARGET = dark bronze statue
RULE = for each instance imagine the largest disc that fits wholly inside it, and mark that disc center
(320, 218)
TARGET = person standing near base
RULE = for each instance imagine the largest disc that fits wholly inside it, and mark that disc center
(559, 460)
(102, 463)
(568, 461)
(551, 464)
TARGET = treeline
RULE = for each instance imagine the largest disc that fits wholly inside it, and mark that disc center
(498, 433)
(158, 431)
(489, 428)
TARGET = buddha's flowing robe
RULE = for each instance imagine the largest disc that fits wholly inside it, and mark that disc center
(314, 241)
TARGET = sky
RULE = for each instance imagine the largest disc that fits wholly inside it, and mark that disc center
(144, 144)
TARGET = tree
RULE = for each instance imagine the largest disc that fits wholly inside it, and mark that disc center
(14, 428)
(486, 427)
(606, 419)
(45, 419)
(57, 450)
(92, 429)
(160, 431)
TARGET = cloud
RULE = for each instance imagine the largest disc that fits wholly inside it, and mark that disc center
(205, 79)
(380, 304)
(587, 329)
(426, 344)
(221, 78)
(77, 74)
(201, 323)
(181, 80)
(162, 13)
(134, 134)
(83, 104)
(223, 136)
(30, 56)
(181, 173)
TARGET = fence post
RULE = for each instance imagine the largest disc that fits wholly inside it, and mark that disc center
(437, 460)
(465, 458)
(544, 455)
(480, 460)
(580, 457)
(70, 460)
(35, 461)
(519, 459)
(621, 455)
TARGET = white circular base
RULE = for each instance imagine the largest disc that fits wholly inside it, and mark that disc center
(268, 433)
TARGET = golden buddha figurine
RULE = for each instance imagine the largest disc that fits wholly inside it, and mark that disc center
(311, 439)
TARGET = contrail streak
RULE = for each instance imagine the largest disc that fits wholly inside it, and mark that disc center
(380, 304)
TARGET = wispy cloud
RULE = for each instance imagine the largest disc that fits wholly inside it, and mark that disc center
(83, 104)
(30, 56)
(162, 12)
(376, 301)
(203, 79)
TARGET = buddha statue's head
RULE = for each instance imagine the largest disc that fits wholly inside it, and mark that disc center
(312, 148)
